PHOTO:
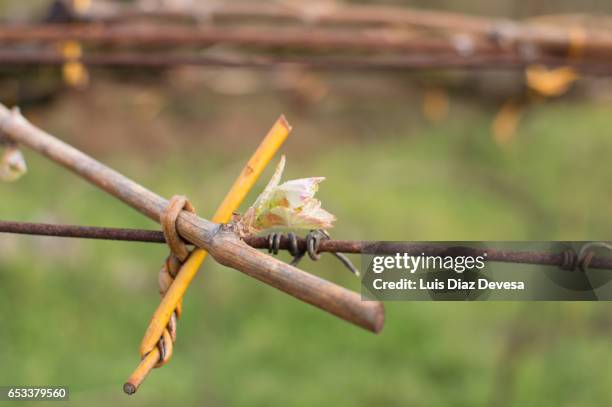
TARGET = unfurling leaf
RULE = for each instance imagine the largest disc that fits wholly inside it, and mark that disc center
(73, 71)
(12, 164)
(550, 81)
(75, 74)
(81, 6)
(506, 122)
(435, 105)
(289, 205)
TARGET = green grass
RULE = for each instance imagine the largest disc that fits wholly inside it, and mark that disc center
(73, 312)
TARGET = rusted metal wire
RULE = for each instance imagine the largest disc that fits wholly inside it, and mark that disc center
(334, 14)
(313, 240)
(560, 259)
(84, 232)
(179, 253)
(267, 37)
(440, 40)
(500, 30)
(451, 41)
(502, 61)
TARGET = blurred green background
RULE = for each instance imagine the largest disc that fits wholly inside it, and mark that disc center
(72, 312)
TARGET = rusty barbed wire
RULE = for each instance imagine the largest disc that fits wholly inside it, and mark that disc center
(393, 63)
(563, 259)
(376, 40)
(398, 37)
(83, 232)
(313, 240)
(322, 39)
(502, 31)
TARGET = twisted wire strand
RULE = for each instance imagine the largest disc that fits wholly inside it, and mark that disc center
(581, 261)
(313, 240)
(178, 254)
